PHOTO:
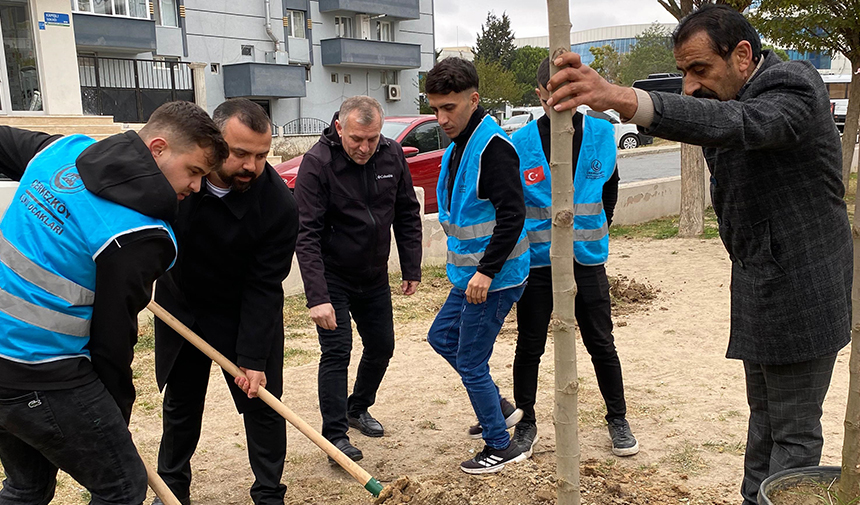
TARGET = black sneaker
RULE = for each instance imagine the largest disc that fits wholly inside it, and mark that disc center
(366, 424)
(348, 449)
(623, 441)
(525, 436)
(493, 460)
(512, 416)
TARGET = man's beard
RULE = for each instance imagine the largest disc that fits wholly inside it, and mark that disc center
(705, 93)
(236, 185)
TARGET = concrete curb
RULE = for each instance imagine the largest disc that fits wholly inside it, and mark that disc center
(639, 151)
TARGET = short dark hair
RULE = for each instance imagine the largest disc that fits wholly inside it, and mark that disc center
(249, 114)
(543, 73)
(451, 75)
(184, 125)
(725, 26)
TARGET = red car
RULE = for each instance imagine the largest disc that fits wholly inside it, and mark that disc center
(423, 143)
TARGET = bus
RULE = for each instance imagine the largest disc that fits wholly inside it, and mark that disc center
(837, 86)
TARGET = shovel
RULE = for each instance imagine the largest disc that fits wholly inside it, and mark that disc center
(358, 473)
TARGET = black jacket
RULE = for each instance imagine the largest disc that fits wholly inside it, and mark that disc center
(120, 169)
(234, 253)
(346, 212)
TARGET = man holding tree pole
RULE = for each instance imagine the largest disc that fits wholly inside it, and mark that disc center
(774, 156)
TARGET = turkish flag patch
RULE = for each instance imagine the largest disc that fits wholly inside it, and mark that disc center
(534, 175)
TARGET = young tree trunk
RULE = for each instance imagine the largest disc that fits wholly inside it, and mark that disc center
(849, 482)
(563, 285)
(692, 220)
(852, 117)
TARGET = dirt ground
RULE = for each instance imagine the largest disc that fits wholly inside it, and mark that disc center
(686, 405)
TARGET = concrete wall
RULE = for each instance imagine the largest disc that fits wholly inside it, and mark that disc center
(58, 61)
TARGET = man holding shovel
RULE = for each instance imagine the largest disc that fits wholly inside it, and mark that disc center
(776, 182)
(236, 242)
(81, 244)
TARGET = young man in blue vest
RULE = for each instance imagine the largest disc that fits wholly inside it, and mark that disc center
(84, 238)
(482, 210)
(595, 184)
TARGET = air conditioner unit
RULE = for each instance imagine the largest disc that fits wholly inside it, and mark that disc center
(392, 92)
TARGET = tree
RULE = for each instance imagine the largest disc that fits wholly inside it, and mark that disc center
(651, 53)
(607, 62)
(495, 43)
(565, 416)
(497, 85)
(777, 51)
(524, 67)
(687, 6)
(831, 26)
(692, 219)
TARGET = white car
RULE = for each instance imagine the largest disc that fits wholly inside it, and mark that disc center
(627, 136)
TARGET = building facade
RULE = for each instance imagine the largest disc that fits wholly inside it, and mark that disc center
(298, 58)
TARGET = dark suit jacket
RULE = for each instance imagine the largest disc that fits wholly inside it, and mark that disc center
(776, 165)
(234, 253)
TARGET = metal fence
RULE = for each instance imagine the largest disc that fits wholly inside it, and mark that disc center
(130, 90)
(304, 126)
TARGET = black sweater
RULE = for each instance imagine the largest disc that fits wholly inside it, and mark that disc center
(499, 183)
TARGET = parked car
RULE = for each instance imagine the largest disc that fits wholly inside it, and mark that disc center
(423, 143)
(627, 136)
(670, 83)
(521, 116)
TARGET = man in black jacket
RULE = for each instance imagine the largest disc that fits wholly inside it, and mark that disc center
(236, 242)
(353, 185)
(73, 284)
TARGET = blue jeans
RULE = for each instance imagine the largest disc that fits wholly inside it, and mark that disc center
(464, 334)
(80, 430)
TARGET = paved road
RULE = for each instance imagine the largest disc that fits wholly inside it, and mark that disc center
(649, 166)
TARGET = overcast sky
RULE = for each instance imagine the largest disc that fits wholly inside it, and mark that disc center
(458, 21)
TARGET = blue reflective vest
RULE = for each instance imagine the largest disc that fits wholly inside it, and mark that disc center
(595, 165)
(469, 221)
(50, 236)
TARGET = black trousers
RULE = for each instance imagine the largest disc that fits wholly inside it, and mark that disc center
(785, 419)
(371, 309)
(265, 430)
(593, 314)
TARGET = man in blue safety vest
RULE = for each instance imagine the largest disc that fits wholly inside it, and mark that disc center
(595, 184)
(87, 233)
(482, 210)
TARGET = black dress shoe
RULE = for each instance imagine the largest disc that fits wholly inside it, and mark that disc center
(348, 449)
(366, 424)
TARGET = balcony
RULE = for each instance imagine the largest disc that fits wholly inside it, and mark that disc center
(250, 79)
(298, 50)
(101, 33)
(403, 9)
(370, 54)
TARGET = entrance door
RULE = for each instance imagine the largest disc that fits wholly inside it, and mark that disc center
(20, 73)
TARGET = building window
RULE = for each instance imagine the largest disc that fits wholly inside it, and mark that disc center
(388, 77)
(215, 68)
(333, 77)
(307, 74)
(343, 27)
(383, 31)
(125, 8)
(347, 78)
(296, 24)
(167, 14)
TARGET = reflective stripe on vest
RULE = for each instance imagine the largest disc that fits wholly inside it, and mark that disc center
(596, 162)
(469, 221)
(50, 237)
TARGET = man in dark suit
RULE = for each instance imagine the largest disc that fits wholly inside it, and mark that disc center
(776, 182)
(236, 241)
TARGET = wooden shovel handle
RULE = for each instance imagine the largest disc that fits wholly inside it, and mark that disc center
(357, 472)
(158, 485)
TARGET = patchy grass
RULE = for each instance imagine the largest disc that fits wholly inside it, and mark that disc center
(663, 228)
(427, 301)
(685, 458)
(737, 448)
(145, 336)
(294, 356)
(296, 314)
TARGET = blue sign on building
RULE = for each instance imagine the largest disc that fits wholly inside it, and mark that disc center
(56, 19)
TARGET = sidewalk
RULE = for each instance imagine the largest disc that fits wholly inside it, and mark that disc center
(667, 148)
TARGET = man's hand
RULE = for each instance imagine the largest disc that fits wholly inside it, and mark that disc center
(324, 316)
(476, 291)
(252, 382)
(580, 84)
(409, 287)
